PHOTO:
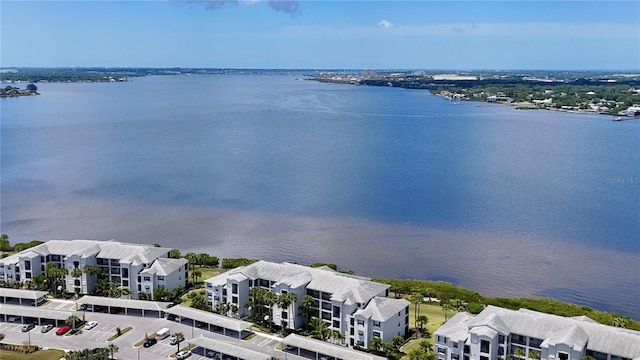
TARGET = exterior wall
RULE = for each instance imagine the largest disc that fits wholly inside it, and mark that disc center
(476, 348)
(293, 320)
(175, 279)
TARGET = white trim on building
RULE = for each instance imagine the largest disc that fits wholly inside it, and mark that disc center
(497, 333)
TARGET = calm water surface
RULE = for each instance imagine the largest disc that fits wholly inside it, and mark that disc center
(386, 182)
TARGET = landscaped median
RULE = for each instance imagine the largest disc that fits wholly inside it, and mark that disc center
(120, 333)
(139, 343)
(186, 348)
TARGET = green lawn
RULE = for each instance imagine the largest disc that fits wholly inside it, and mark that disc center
(436, 319)
(208, 272)
(50, 354)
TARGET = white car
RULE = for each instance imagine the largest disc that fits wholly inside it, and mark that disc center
(90, 325)
(46, 328)
(183, 354)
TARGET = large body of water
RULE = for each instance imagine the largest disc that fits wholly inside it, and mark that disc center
(386, 182)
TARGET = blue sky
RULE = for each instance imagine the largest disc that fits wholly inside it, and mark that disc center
(555, 35)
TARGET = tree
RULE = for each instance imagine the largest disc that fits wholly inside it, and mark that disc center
(76, 273)
(175, 254)
(4, 243)
(518, 352)
(72, 321)
(422, 321)
(39, 280)
(192, 258)
(55, 275)
(113, 349)
(307, 302)
(179, 337)
(458, 305)
(32, 87)
(446, 307)
(416, 300)
(534, 354)
(160, 294)
(377, 345)
(195, 274)
(320, 330)
(284, 302)
(270, 299)
(620, 322)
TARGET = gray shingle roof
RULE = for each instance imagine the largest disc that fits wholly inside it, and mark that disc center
(601, 338)
(110, 249)
(210, 318)
(165, 266)
(383, 309)
(337, 351)
(345, 288)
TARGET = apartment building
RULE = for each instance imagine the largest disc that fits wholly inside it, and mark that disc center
(122, 263)
(498, 333)
(352, 305)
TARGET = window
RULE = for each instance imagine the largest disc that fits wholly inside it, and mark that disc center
(376, 334)
(234, 288)
(147, 278)
(442, 350)
(455, 345)
(76, 282)
(76, 264)
(563, 356)
(160, 278)
(125, 283)
(27, 275)
(360, 322)
(41, 258)
(125, 272)
(55, 257)
(336, 324)
(455, 357)
(441, 339)
(484, 346)
(27, 264)
(376, 324)
(285, 316)
(501, 339)
(234, 299)
(484, 358)
(336, 311)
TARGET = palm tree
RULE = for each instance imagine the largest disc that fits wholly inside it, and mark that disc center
(446, 306)
(422, 321)
(518, 352)
(284, 302)
(336, 336)
(102, 352)
(458, 305)
(534, 354)
(113, 349)
(55, 274)
(179, 336)
(195, 274)
(39, 280)
(269, 299)
(307, 302)
(320, 330)
(620, 322)
(416, 300)
(76, 274)
(377, 345)
(72, 320)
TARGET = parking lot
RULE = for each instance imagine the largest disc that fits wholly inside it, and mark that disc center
(141, 327)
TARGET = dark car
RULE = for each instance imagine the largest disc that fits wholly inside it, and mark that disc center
(150, 342)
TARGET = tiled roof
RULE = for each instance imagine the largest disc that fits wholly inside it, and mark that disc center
(165, 266)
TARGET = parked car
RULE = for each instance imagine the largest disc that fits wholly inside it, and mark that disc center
(150, 342)
(90, 325)
(183, 354)
(46, 328)
(174, 340)
(63, 330)
(27, 327)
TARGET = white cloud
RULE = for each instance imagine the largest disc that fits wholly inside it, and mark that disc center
(385, 24)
